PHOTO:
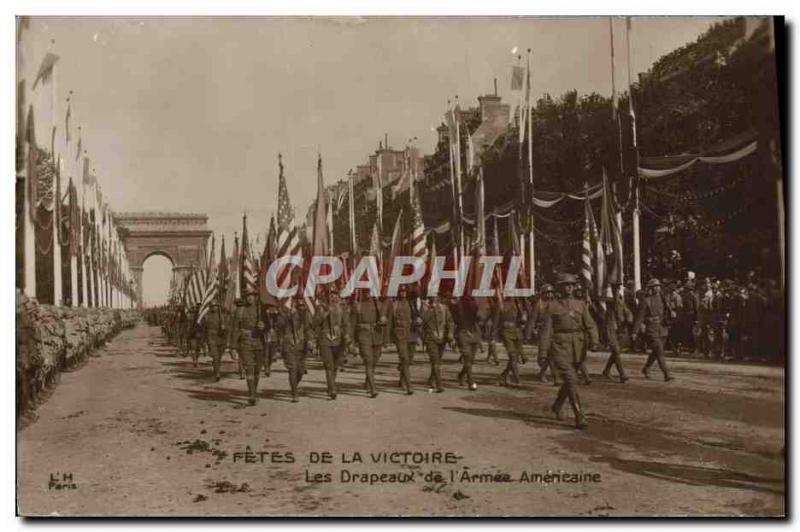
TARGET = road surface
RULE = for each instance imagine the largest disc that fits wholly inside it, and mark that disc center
(139, 431)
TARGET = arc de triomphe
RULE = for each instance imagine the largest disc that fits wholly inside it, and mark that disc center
(181, 237)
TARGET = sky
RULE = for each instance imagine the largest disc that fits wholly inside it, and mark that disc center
(189, 114)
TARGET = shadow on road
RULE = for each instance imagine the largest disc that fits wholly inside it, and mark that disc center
(695, 475)
(510, 414)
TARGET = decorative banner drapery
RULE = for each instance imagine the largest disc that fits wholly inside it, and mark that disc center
(545, 202)
(653, 173)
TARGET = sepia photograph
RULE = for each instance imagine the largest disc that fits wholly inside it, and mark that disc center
(400, 266)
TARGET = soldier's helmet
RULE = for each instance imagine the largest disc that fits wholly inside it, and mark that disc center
(653, 283)
(566, 278)
(548, 289)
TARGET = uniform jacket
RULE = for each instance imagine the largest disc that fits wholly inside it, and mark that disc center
(367, 315)
(651, 312)
(332, 325)
(402, 316)
(565, 326)
(437, 324)
(244, 326)
(294, 329)
(508, 318)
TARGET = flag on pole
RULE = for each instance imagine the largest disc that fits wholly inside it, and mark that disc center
(45, 69)
(610, 238)
(480, 222)
(320, 245)
(288, 241)
(418, 247)
(586, 246)
(210, 284)
(267, 257)
(232, 291)
(247, 265)
(223, 273)
(352, 214)
(397, 241)
(379, 192)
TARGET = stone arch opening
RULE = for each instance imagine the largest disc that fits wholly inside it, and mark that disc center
(157, 277)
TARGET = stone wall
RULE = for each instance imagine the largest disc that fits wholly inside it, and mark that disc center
(55, 339)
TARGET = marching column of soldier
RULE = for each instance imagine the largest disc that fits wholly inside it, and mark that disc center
(560, 319)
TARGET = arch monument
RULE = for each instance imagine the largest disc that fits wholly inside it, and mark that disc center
(181, 237)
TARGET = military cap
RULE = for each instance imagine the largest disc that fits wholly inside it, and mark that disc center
(566, 278)
(653, 282)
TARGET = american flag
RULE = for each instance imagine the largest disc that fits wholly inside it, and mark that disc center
(589, 235)
(288, 239)
(211, 284)
(418, 247)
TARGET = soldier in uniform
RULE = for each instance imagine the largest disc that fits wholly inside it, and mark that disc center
(617, 314)
(404, 321)
(215, 332)
(196, 335)
(273, 341)
(583, 372)
(237, 303)
(491, 332)
(467, 318)
(332, 326)
(294, 332)
(370, 322)
(534, 323)
(652, 312)
(437, 332)
(183, 323)
(564, 330)
(247, 337)
(508, 318)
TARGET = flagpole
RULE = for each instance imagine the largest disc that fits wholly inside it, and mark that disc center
(58, 287)
(458, 179)
(618, 120)
(352, 212)
(637, 263)
(453, 183)
(531, 238)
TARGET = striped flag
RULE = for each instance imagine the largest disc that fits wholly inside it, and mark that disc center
(418, 247)
(288, 239)
(586, 248)
(210, 285)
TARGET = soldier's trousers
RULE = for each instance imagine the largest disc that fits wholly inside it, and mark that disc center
(370, 354)
(435, 352)
(514, 349)
(614, 358)
(405, 354)
(492, 355)
(332, 357)
(468, 350)
(272, 352)
(656, 344)
(216, 346)
(295, 361)
(566, 366)
(251, 353)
